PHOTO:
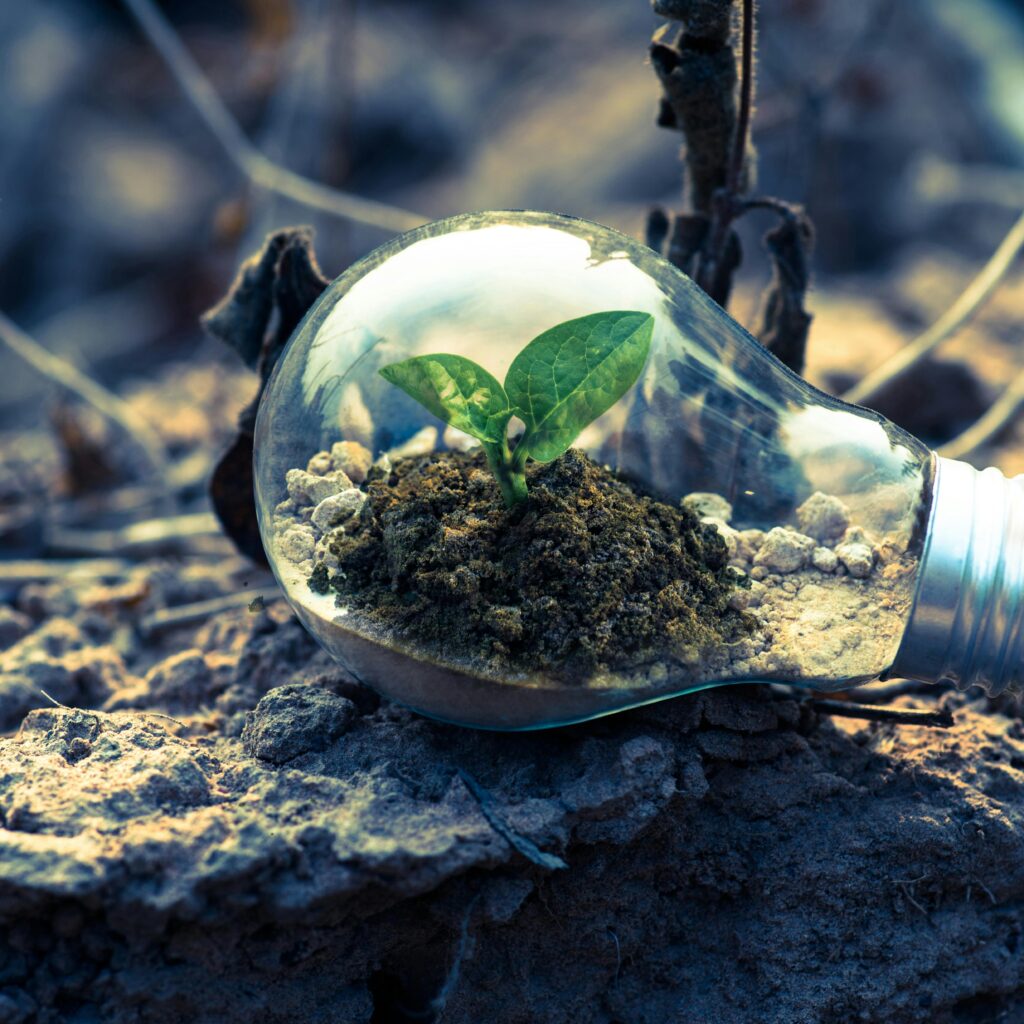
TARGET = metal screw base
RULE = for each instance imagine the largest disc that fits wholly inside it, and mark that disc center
(967, 621)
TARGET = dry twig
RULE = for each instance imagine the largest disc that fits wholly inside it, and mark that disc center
(169, 533)
(948, 324)
(939, 717)
(61, 372)
(200, 611)
(242, 153)
(1002, 413)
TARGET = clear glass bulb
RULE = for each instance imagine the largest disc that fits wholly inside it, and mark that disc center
(822, 508)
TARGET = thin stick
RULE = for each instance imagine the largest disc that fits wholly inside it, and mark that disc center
(1001, 414)
(18, 571)
(236, 145)
(948, 324)
(739, 144)
(167, 533)
(940, 718)
(200, 611)
(105, 402)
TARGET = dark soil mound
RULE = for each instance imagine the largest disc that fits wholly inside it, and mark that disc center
(588, 575)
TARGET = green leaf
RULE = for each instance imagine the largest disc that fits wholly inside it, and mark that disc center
(457, 391)
(571, 374)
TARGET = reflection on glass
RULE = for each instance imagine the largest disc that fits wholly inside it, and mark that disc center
(813, 505)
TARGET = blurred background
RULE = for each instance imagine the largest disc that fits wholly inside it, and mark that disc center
(900, 127)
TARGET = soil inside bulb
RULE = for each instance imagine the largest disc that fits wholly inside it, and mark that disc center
(587, 576)
(593, 584)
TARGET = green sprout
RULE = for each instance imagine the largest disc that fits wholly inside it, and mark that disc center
(561, 381)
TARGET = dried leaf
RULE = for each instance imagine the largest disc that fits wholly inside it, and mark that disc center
(786, 322)
(273, 291)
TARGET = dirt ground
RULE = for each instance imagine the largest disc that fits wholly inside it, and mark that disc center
(203, 819)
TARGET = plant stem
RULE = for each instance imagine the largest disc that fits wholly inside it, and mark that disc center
(510, 476)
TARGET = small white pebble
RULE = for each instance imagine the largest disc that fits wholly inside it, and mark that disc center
(759, 572)
(709, 506)
(748, 543)
(320, 464)
(337, 508)
(824, 559)
(858, 558)
(308, 489)
(823, 517)
(352, 458)
(297, 544)
(784, 550)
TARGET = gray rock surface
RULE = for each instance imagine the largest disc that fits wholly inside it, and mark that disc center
(286, 847)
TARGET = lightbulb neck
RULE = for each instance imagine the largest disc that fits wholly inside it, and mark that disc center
(967, 620)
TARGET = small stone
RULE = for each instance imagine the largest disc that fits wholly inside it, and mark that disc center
(297, 543)
(757, 593)
(320, 464)
(353, 459)
(858, 558)
(295, 719)
(824, 559)
(14, 626)
(823, 517)
(422, 442)
(709, 506)
(307, 489)
(784, 550)
(337, 508)
(759, 572)
(856, 535)
(748, 542)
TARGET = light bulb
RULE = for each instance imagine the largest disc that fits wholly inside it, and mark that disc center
(856, 553)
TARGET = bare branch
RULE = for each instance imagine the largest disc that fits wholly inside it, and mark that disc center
(200, 611)
(948, 324)
(741, 141)
(61, 372)
(1003, 412)
(938, 717)
(140, 539)
(242, 153)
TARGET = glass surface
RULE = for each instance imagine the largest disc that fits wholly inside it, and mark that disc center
(712, 413)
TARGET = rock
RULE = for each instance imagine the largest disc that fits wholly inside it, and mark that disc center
(181, 683)
(858, 558)
(712, 506)
(151, 876)
(337, 508)
(824, 559)
(14, 626)
(308, 489)
(294, 720)
(748, 542)
(320, 464)
(784, 550)
(353, 459)
(823, 517)
(297, 543)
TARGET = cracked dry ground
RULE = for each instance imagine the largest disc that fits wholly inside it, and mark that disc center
(241, 833)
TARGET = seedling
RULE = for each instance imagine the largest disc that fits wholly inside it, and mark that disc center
(561, 381)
